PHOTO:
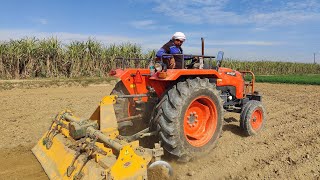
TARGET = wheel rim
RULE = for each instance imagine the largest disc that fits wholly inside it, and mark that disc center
(200, 121)
(256, 119)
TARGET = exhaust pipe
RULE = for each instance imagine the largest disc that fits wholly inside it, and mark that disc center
(202, 53)
(202, 46)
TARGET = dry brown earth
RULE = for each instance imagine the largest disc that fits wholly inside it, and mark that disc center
(288, 148)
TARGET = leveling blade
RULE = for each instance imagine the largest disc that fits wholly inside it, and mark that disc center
(55, 161)
(75, 148)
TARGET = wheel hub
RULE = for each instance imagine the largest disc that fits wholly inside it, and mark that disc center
(254, 119)
(192, 119)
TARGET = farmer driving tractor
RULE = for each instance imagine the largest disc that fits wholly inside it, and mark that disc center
(173, 47)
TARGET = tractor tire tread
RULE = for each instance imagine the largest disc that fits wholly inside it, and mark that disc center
(120, 105)
(246, 114)
(169, 112)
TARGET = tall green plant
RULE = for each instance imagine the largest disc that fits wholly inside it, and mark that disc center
(33, 58)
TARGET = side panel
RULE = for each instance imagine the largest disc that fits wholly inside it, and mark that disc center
(135, 80)
(128, 77)
(230, 77)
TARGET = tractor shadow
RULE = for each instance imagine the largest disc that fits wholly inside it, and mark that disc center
(235, 129)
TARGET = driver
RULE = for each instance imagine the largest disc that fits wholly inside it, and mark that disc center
(173, 47)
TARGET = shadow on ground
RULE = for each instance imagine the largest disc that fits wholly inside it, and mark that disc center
(235, 129)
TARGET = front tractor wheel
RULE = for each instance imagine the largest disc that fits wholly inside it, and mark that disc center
(252, 117)
(190, 118)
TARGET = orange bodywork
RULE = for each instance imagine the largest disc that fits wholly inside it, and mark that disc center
(234, 78)
(137, 80)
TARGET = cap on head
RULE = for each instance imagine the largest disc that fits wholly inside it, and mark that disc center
(179, 35)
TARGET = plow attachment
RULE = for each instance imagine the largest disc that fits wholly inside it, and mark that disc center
(92, 148)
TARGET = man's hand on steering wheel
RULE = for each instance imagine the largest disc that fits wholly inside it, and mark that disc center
(195, 59)
(172, 63)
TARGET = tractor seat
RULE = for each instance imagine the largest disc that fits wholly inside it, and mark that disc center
(196, 66)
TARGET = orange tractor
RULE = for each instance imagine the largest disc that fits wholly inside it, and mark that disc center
(182, 110)
(185, 107)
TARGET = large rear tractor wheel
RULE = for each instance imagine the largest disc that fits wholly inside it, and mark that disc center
(252, 117)
(127, 107)
(190, 118)
(124, 107)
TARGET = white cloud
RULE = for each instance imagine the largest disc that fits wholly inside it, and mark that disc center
(259, 29)
(65, 37)
(148, 25)
(144, 24)
(283, 18)
(306, 5)
(194, 11)
(253, 43)
(41, 21)
(214, 12)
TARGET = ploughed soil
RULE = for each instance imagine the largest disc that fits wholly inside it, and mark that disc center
(287, 148)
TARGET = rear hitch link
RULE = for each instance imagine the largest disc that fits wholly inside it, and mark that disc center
(53, 131)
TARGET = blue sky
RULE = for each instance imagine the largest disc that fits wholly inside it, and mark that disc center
(285, 30)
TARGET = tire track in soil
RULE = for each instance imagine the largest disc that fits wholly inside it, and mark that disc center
(19, 163)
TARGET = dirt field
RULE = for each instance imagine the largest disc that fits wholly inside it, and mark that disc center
(288, 147)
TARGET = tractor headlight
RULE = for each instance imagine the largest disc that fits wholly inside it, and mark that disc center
(158, 66)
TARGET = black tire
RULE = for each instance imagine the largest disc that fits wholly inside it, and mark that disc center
(172, 109)
(242, 114)
(121, 107)
(252, 117)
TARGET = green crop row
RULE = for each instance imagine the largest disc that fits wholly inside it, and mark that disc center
(37, 58)
(291, 79)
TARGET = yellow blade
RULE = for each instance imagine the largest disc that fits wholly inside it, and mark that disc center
(56, 160)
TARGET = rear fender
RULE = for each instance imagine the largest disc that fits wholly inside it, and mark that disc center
(174, 75)
(128, 77)
(135, 80)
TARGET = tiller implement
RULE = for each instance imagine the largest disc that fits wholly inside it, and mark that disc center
(92, 148)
